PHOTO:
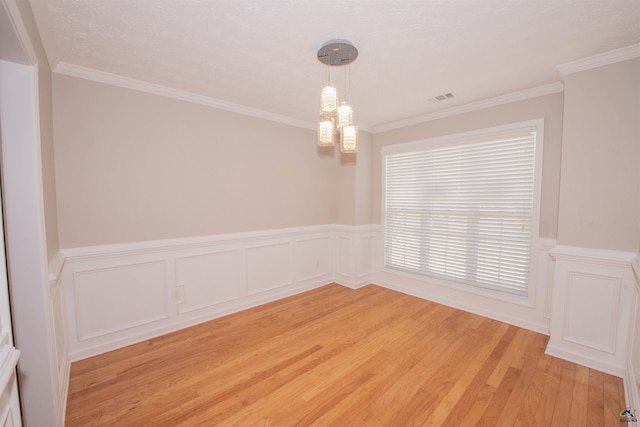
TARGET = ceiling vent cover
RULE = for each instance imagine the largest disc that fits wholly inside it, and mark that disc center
(442, 97)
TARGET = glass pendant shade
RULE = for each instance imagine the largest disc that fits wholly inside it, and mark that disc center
(328, 99)
(349, 139)
(325, 132)
(345, 115)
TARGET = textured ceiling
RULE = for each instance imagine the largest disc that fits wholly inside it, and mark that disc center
(262, 54)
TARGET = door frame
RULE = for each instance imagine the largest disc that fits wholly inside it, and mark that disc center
(26, 244)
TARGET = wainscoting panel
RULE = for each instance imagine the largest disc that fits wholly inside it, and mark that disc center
(632, 375)
(119, 297)
(591, 310)
(355, 254)
(61, 338)
(58, 328)
(269, 266)
(366, 246)
(587, 294)
(344, 256)
(207, 279)
(312, 258)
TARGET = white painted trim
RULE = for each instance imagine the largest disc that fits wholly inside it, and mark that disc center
(26, 244)
(288, 281)
(156, 89)
(171, 251)
(606, 58)
(591, 362)
(353, 276)
(419, 144)
(547, 89)
(546, 244)
(110, 344)
(610, 346)
(55, 268)
(612, 271)
(21, 30)
(541, 327)
(630, 391)
(83, 336)
(9, 359)
(629, 379)
(143, 86)
(635, 266)
(89, 253)
(592, 256)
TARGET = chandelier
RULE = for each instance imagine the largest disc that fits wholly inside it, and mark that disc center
(336, 118)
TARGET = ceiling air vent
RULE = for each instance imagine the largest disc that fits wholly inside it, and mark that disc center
(442, 97)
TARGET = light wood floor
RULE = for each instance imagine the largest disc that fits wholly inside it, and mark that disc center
(340, 357)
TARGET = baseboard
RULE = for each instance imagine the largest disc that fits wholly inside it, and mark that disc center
(540, 327)
(599, 364)
(630, 390)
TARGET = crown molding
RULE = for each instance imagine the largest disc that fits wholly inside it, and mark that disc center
(13, 13)
(473, 106)
(611, 57)
(155, 89)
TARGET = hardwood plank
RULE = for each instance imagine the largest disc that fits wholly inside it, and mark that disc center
(530, 413)
(579, 398)
(527, 366)
(491, 415)
(474, 390)
(613, 402)
(334, 357)
(561, 411)
(550, 391)
(595, 399)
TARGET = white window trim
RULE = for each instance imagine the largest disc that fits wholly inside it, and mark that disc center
(419, 145)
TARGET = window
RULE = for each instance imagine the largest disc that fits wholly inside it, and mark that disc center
(465, 208)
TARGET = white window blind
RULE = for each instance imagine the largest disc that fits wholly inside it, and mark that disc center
(463, 210)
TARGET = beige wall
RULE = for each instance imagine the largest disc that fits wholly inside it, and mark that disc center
(352, 183)
(132, 166)
(548, 107)
(46, 131)
(600, 183)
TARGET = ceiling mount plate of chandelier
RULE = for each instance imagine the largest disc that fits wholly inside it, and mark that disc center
(336, 117)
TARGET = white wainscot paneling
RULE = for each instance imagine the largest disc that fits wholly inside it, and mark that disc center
(112, 299)
(592, 303)
(365, 255)
(354, 252)
(9, 401)
(632, 377)
(269, 266)
(591, 307)
(60, 335)
(344, 256)
(118, 295)
(312, 258)
(205, 280)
